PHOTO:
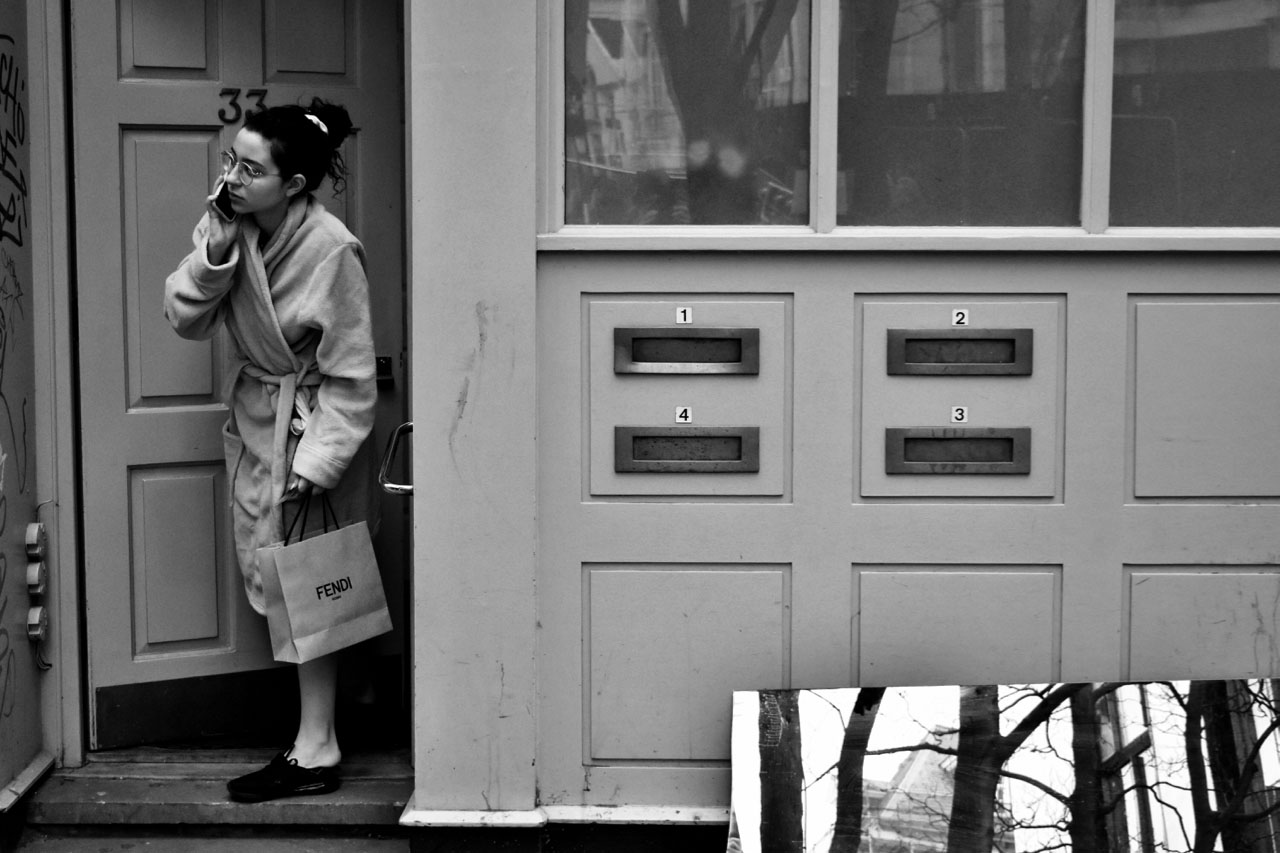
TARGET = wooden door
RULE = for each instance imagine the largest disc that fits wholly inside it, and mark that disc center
(159, 89)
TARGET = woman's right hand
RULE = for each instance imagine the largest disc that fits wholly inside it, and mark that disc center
(222, 231)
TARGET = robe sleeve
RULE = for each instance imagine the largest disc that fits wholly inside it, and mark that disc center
(194, 293)
(342, 416)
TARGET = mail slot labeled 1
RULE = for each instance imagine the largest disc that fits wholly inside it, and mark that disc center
(686, 350)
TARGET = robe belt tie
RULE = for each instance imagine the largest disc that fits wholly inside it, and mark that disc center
(292, 414)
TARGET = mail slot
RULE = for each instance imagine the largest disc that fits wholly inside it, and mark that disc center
(686, 450)
(959, 352)
(953, 450)
(684, 349)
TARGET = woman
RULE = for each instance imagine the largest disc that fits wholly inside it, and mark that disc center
(286, 279)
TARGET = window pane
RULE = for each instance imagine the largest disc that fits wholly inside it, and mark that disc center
(960, 112)
(686, 112)
(1195, 138)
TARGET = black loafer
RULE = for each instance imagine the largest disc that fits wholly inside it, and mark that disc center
(283, 778)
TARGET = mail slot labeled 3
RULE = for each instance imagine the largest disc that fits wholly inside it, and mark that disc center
(949, 450)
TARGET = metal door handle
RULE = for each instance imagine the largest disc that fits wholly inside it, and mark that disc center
(388, 457)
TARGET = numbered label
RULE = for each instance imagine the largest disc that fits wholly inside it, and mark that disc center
(684, 315)
(959, 414)
(959, 316)
(233, 111)
(684, 415)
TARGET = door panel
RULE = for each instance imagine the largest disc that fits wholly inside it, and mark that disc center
(159, 89)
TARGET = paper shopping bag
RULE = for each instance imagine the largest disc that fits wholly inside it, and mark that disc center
(329, 591)
(282, 648)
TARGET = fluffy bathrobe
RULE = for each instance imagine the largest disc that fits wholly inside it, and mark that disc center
(300, 384)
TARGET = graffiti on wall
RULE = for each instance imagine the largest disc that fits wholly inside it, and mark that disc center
(15, 259)
(13, 135)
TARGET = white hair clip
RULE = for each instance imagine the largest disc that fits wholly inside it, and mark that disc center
(318, 123)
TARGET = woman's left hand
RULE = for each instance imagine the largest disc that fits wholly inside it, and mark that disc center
(296, 487)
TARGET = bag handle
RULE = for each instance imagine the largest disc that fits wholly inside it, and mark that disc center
(327, 509)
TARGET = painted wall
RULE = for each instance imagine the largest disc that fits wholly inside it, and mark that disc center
(19, 660)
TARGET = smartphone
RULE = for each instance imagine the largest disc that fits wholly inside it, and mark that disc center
(223, 203)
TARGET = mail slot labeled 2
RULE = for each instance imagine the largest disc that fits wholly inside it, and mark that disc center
(951, 450)
(686, 450)
(685, 350)
(959, 352)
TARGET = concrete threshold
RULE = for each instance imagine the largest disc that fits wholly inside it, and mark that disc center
(163, 788)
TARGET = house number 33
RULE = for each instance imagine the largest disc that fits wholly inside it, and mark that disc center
(232, 112)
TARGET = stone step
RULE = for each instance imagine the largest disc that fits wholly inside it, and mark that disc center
(155, 788)
(205, 840)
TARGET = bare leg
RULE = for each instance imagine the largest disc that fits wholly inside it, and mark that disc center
(317, 742)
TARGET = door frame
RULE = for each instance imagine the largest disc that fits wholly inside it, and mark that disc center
(55, 415)
(54, 418)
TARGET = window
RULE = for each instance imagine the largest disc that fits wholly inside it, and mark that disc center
(680, 113)
(1196, 124)
(960, 112)
(853, 116)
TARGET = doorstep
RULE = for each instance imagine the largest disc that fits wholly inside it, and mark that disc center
(162, 787)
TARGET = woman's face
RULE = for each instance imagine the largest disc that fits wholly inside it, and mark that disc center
(269, 191)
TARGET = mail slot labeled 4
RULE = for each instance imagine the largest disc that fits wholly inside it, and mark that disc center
(961, 396)
(686, 395)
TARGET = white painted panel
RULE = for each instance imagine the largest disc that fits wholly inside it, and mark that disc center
(667, 647)
(164, 34)
(177, 567)
(716, 400)
(165, 174)
(1207, 399)
(309, 38)
(1201, 622)
(991, 401)
(962, 625)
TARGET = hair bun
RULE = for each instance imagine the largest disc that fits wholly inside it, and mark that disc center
(334, 118)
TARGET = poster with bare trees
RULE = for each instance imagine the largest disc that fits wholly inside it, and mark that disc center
(1154, 767)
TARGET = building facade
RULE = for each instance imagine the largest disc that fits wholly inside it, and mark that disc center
(747, 344)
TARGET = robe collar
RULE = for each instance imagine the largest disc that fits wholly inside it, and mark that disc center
(294, 216)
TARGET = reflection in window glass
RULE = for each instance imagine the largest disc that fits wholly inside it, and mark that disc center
(1196, 124)
(686, 112)
(960, 112)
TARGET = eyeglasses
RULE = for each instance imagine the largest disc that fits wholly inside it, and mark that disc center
(248, 171)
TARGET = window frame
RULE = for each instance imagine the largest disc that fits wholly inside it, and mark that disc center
(823, 234)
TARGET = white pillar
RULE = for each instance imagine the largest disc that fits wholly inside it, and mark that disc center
(472, 165)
